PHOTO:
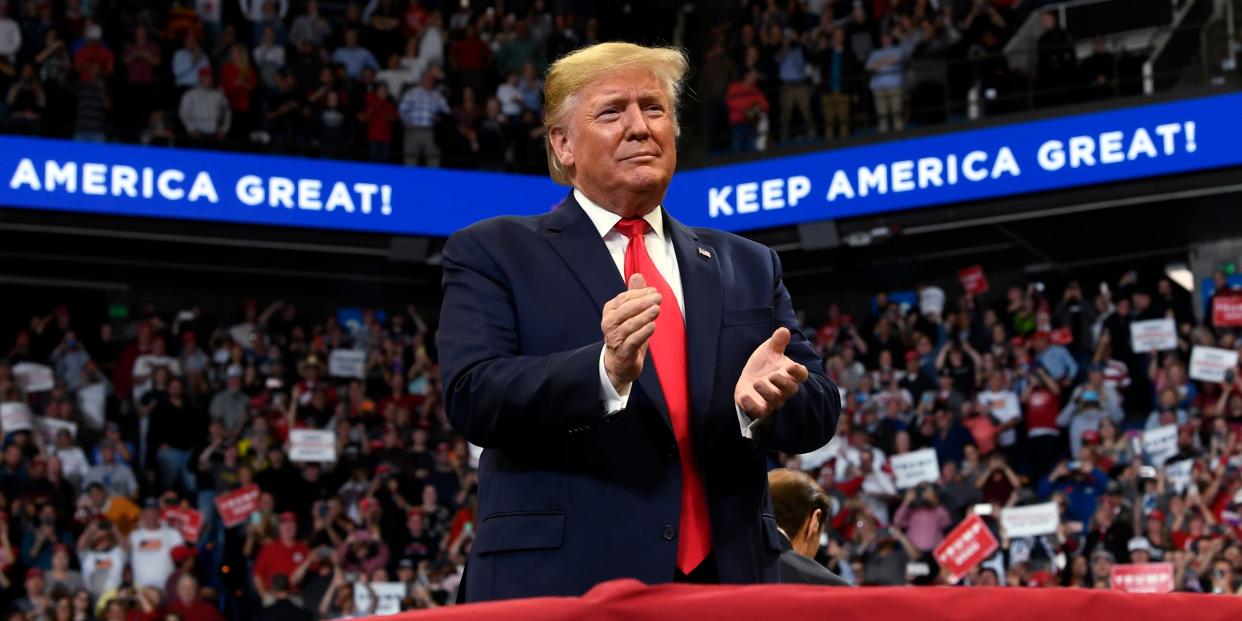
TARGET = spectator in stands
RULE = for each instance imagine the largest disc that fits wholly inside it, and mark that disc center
(922, 517)
(269, 59)
(204, 111)
(10, 34)
(418, 110)
(113, 475)
(282, 607)
(188, 63)
(1056, 64)
(150, 548)
(26, 101)
(142, 59)
(887, 64)
(237, 81)
(353, 56)
(747, 105)
(310, 27)
(795, 86)
(187, 605)
(840, 84)
(1099, 70)
(265, 14)
(93, 59)
(280, 557)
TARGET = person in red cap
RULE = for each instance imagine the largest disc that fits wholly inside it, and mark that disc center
(36, 603)
(183, 557)
(281, 556)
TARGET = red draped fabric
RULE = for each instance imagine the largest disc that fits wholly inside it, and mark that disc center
(629, 599)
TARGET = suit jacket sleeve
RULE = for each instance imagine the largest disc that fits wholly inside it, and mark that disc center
(809, 418)
(494, 395)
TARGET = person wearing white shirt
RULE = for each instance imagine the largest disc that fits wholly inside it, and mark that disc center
(150, 548)
(1002, 404)
(101, 557)
(73, 462)
(10, 33)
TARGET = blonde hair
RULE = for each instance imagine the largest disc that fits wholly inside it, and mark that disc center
(567, 76)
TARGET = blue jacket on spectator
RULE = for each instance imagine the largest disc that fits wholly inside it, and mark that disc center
(1081, 494)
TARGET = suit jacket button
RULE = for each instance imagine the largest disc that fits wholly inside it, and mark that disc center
(669, 532)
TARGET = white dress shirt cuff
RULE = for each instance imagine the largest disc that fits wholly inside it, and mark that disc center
(614, 400)
(749, 425)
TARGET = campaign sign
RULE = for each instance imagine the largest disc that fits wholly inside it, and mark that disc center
(49, 427)
(968, 545)
(236, 506)
(1143, 578)
(189, 522)
(1160, 444)
(973, 280)
(388, 594)
(1178, 474)
(1227, 310)
(312, 445)
(33, 377)
(910, 469)
(1031, 520)
(1209, 364)
(347, 363)
(15, 416)
(1157, 334)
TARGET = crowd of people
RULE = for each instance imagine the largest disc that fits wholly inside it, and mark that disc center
(147, 420)
(113, 432)
(432, 83)
(1030, 399)
(781, 72)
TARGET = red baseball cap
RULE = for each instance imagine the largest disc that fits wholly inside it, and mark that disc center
(181, 553)
(288, 516)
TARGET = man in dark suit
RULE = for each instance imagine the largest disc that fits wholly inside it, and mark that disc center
(801, 509)
(624, 427)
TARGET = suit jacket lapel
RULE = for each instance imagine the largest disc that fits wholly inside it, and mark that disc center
(572, 234)
(702, 290)
(574, 237)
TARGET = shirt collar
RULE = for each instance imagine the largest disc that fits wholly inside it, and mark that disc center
(605, 220)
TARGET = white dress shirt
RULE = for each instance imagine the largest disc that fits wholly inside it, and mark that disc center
(665, 259)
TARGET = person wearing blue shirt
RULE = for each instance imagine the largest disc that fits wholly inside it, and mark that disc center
(795, 91)
(354, 56)
(1055, 359)
(1082, 484)
(887, 67)
(951, 437)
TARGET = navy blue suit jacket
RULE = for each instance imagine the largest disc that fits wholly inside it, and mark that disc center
(568, 498)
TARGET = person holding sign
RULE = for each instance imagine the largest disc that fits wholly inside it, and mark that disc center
(605, 347)
(1088, 405)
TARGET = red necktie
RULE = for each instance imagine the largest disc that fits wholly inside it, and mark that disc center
(668, 352)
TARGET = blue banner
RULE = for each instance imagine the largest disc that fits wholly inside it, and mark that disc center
(260, 189)
(1062, 152)
(1052, 154)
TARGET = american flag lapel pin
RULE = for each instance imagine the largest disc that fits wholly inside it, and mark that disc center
(703, 252)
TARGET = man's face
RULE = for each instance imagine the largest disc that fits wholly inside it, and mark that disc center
(620, 138)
